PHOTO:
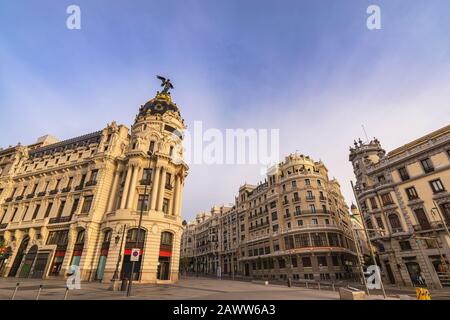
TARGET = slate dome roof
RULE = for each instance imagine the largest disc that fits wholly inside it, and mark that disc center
(159, 105)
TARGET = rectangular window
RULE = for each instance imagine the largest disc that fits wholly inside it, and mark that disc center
(87, 204)
(274, 216)
(49, 209)
(312, 208)
(74, 206)
(142, 202)
(335, 261)
(404, 175)
(147, 176)
(94, 175)
(411, 193)
(165, 207)
(405, 245)
(373, 203)
(380, 223)
(152, 147)
(294, 262)
(61, 208)
(301, 240)
(437, 186)
(306, 261)
(294, 184)
(322, 261)
(427, 165)
(307, 182)
(36, 211)
(386, 199)
(13, 215)
(168, 180)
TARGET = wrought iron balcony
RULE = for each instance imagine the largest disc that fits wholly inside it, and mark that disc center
(79, 187)
(31, 195)
(42, 194)
(19, 198)
(9, 199)
(60, 219)
(53, 192)
(311, 198)
(3, 226)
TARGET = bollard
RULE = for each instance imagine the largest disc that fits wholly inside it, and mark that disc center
(15, 291)
(318, 285)
(39, 292)
(332, 285)
(66, 293)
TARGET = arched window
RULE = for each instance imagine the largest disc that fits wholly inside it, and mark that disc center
(395, 222)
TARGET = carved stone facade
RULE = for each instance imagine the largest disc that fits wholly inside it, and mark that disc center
(78, 202)
(295, 224)
(404, 199)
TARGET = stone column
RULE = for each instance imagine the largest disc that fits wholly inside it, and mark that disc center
(162, 188)
(113, 193)
(179, 200)
(155, 185)
(176, 196)
(132, 188)
(125, 188)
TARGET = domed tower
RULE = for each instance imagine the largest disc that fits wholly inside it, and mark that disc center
(364, 155)
(150, 181)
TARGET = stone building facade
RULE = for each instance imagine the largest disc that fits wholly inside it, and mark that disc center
(294, 224)
(77, 202)
(404, 198)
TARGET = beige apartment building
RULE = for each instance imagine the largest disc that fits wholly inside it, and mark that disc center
(294, 224)
(405, 202)
(77, 202)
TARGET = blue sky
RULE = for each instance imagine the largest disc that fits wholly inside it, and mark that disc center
(310, 68)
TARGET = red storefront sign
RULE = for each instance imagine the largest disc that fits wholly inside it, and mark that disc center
(165, 253)
(60, 253)
(77, 253)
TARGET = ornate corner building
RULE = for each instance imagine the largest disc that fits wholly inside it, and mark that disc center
(295, 225)
(78, 202)
(404, 199)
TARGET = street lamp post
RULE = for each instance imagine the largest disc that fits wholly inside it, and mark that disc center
(139, 229)
(372, 254)
(116, 272)
(359, 258)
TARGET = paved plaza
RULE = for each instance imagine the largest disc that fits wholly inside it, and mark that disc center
(185, 289)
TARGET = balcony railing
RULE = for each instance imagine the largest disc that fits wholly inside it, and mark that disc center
(91, 183)
(311, 198)
(19, 198)
(79, 187)
(60, 219)
(323, 198)
(3, 226)
(422, 227)
(30, 196)
(53, 192)
(294, 200)
(9, 199)
(42, 194)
